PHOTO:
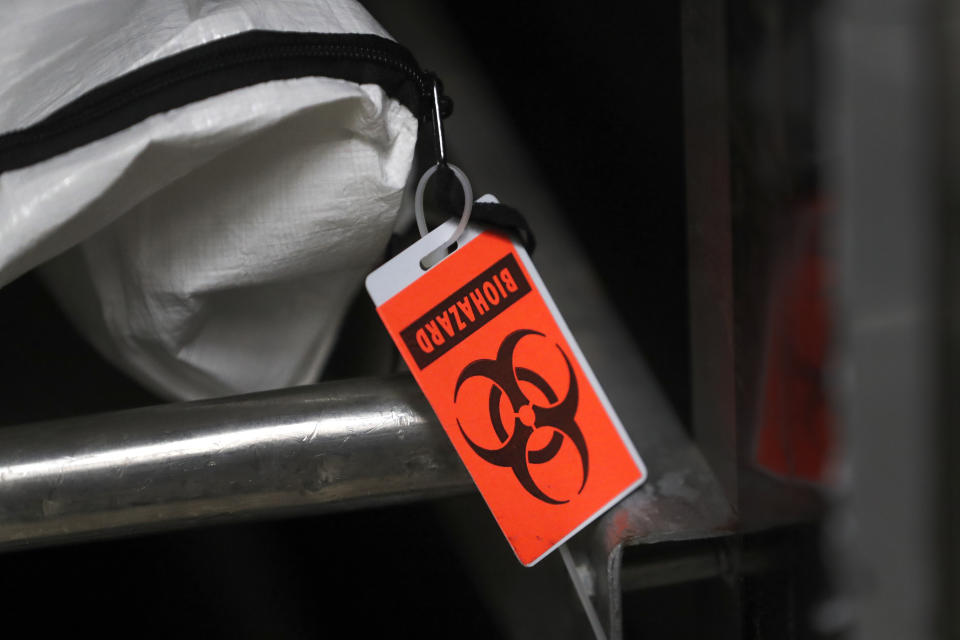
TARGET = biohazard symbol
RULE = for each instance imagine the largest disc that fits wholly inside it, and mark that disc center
(558, 416)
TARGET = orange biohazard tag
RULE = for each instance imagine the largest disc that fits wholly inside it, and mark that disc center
(499, 366)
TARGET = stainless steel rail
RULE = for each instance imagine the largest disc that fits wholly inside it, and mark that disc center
(332, 446)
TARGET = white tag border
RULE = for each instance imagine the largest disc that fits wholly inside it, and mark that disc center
(403, 269)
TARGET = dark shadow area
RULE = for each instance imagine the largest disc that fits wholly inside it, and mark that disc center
(383, 573)
(597, 100)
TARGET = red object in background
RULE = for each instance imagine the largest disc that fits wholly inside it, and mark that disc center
(796, 433)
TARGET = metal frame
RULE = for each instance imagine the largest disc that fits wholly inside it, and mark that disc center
(334, 446)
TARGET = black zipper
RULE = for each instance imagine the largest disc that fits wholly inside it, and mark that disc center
(210, 69)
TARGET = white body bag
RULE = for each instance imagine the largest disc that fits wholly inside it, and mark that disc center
(206, 183)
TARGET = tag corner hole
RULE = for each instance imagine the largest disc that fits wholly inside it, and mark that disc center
(450, 250)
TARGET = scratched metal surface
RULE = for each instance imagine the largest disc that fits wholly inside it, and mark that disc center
(332, 446)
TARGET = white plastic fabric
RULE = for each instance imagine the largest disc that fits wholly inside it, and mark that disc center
(212, 249)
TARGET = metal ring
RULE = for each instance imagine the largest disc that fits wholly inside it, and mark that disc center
(437, 254)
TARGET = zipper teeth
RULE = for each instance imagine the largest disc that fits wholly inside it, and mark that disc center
(229, 60)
